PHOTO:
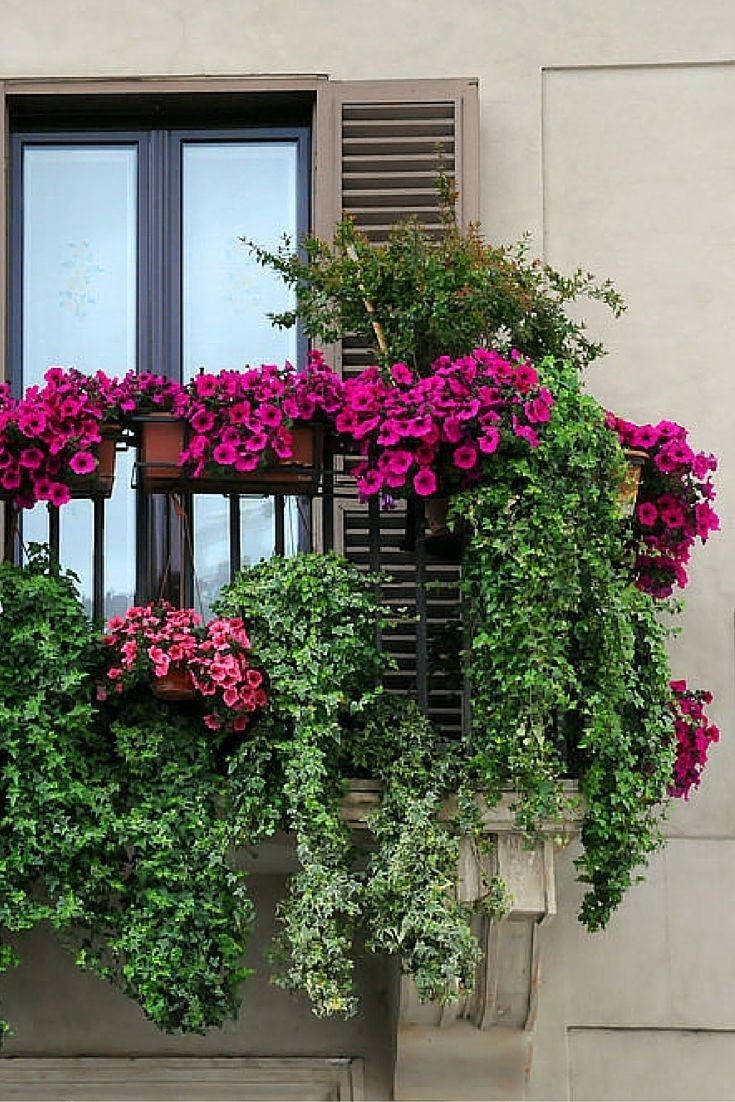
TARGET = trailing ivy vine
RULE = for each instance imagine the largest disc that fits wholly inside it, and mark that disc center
(313, 623)
(565, 658)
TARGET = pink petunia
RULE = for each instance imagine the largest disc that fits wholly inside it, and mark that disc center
(83, 463)
(225, 454)
(488, 442)
(465, 457)
(647, 513)
(59, 494)
(31, 458)
(424, 482)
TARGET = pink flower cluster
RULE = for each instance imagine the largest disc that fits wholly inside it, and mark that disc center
(137, 394)
(242, 419)
(694, 734)
(674, 502)
(50, 437)
(150, 641)
(441, 429)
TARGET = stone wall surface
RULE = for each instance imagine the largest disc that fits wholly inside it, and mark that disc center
(607, 132)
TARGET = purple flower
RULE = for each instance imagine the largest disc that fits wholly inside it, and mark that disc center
(647, 514)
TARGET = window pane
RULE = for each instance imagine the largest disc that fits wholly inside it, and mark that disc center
(257, 539)
(211, 549)
(76, 538)
(35, 525)
(120, 540)
(231, 190)
(79, 258)
(257, 529)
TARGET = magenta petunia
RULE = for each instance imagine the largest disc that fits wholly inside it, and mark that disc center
(202, 421)
(401, 374)
(31, 458)
(465, 457)
(225, 454)
(83, 463)
(489, 441)
(647, 513)
(424, 482)
(59, 494)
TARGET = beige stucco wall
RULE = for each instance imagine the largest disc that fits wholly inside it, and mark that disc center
(607, 131)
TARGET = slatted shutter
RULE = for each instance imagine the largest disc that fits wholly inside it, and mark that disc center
(378, 147)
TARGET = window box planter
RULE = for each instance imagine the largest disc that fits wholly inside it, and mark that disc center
(175, 685)
(163, 438)
(102, 480)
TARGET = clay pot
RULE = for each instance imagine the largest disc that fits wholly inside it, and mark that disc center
(100, 482)
(628, 492)
(163, 438)
(175, 685)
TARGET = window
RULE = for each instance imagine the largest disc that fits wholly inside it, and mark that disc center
(126, 255)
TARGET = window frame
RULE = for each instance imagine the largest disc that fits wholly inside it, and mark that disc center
(159, 314)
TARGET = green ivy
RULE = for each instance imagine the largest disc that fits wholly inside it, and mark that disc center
(313, 622)
(110, 824)
(565, 658)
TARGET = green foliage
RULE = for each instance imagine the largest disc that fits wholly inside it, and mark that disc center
(435, 295)
(109, 827)
(313, 622)
(567, 669)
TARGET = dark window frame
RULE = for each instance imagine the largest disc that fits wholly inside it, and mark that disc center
(159, 318)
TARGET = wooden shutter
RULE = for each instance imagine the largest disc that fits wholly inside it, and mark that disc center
(376, 159)
(377, 153)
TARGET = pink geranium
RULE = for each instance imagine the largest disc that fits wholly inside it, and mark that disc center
(149, 642)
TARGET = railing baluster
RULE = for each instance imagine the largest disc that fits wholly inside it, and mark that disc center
(422, 633)
(328, 497)
(280, 533)
(235, 548)
(53, 533)
(98, 559)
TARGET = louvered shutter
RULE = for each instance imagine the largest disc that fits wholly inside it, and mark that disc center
(377, 160)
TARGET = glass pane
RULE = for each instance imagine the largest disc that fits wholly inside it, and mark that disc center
(295, 526)
(257, 529)
(79, 258)
(120, 540)
(257, 539)
(35, 524)
(211, 549)
(76, 529)
(231, 190)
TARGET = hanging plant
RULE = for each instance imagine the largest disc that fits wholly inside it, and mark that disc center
(149, 644)
(694, 735)
(112, 828)
(674, 507)
(313, 620)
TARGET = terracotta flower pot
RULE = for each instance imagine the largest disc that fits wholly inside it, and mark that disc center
(175, 685)
(100, 482)
(163, 438)
(628, 493)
